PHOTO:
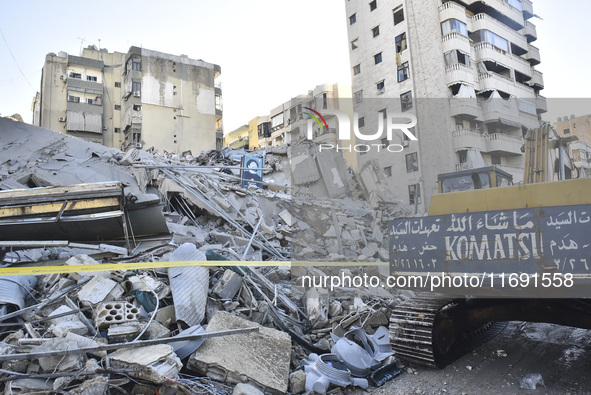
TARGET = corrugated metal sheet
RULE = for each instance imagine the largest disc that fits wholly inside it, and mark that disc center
(93, 123)
(75, 120)
(189, 285)
(13, 289)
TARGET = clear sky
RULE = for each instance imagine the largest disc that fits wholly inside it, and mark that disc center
(269, 51)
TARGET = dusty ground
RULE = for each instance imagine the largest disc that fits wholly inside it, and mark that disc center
(561, 355)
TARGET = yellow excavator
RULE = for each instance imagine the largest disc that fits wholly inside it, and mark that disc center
(490, 252)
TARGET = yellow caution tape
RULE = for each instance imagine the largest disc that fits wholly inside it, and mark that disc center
(40, 270)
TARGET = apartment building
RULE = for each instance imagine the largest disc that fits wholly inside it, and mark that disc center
(465, 69)
(139, 99)
(290, 121)
(577, 131)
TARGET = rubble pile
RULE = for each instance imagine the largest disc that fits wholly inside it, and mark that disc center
(189, 329)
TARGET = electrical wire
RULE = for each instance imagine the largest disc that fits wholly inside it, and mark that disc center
(153, 313)
(15, 62)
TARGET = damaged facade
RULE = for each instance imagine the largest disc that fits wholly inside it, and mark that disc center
(139, 99)
(466, 70)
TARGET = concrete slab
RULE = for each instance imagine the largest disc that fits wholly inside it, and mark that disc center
(267, 351)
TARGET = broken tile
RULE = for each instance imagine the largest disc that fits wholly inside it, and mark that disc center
(96, 290)
(228, 285)
(154, 363)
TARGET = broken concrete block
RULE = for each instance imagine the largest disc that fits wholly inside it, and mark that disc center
(154, 363)
(297, 382)
(370, 250)
(246, 389)
(115, 312)
(286, 217)
(119, 333)
(166, 316)
(94, 386)
(96, 290)
(330, 232)
(27, 386)
(316, 301)
(83, 259)
(378, 236)
(68, 323)
(157, 331)
(228, 285)
(59, 363)
(189, 285)
(267, 351)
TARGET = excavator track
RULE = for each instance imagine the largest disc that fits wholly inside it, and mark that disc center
(422, 331)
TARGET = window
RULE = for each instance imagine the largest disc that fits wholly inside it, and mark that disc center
(76, 75)
(358, 96)
(495, 159)
(490, 37)
(277, 121)
(388, 171)
(136, 86)
(377, 58)
(453, 25)
(401, 43)
(88, 101)
(403, 73)
(73, 99)
(352, 19)
(398, 16)
(91, 78)
(117, 84)
(117, 107)
(376, 31)
(136, 64)
(137, 107)
(117, 130)
(412, 131)
(384, 112)
(380, 86)
(455, 57)
(354, 44)
(406, 101)
(356, 69)
(414, 194)
(516, 4)
(385, 142)
(463, 156)
(566, 131)
(373, 5)
(361, 122)
(412, 162)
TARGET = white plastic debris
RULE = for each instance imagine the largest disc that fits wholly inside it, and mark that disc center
(531, 381)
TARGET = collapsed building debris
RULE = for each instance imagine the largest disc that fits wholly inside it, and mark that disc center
(141, 329)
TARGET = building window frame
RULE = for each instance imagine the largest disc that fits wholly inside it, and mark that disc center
(357, 69)
(406, 101)
(398, 15)
(403, 72)
(401, 42)
(377, 58)
(375, 31)
(373, 5)
(358, 96)
(414, 194)
(352, 19)
(412, 162)
(355, 44)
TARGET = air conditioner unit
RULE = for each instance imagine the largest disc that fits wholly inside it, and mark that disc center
(105, 128)
(136, 94)
(405, 143)
(380, 91)
(138, 145)
(63, 78)
(61, 119)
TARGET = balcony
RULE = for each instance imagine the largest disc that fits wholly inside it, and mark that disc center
(499, 9)
(537, 81)
(541, 105)
(460, 106)
(487, 51)
(494, 81)
(465, 139)
(512, 112)
(459, 73)
(455, 40)
(503, 144)
(527, 8)
(529, 31)
(533, 55)
(451, 10)
(484, 21)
